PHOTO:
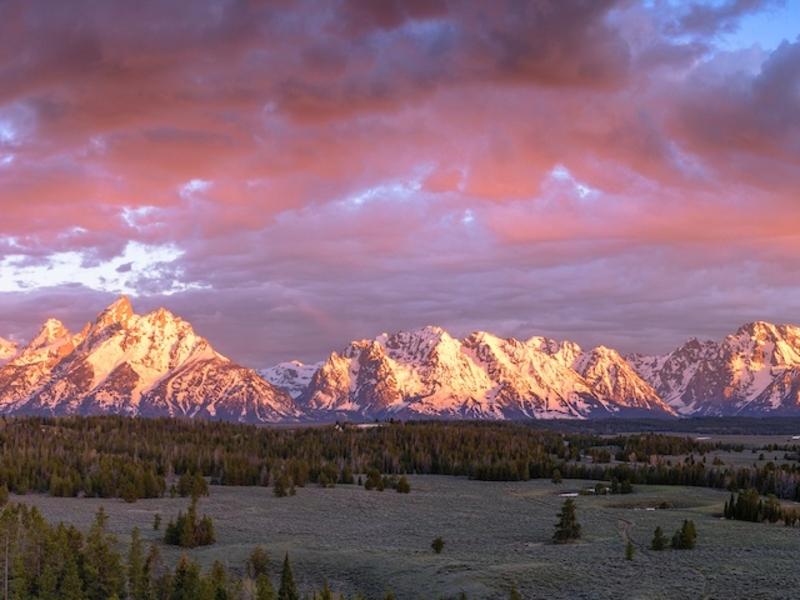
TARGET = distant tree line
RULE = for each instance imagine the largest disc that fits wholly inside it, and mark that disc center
(134, 458)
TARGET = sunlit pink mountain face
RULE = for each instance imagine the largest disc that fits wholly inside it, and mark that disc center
(154, 364)
(290, 176)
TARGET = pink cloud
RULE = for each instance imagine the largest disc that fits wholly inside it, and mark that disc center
(373, 166)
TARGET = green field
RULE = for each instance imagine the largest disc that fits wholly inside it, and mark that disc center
(496, 534)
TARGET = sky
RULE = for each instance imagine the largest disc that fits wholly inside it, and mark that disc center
(289, 176)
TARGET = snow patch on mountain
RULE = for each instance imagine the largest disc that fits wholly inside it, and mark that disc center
(292, 377)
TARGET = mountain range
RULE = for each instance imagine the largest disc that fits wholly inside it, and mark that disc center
(156, 365)
(124, 363)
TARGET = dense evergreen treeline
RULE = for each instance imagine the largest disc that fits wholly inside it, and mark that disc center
(783, 425)
(135, 458)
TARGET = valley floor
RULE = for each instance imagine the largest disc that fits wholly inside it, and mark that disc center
(496, 535)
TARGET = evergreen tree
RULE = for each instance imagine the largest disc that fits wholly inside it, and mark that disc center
(326, 593)
(102, 566)
(437, 545)
(137, 574)
(556, 478)
(676, 540)
(288, 589)
(514, 595)
(685, 538)
(264, 589)
(186, 582)
(154, 568)
(567, 528)
(730, 507)
(71, 587)
(659, 540)
(257, 562)
(688, 535)
(218, 582)
(629, 550)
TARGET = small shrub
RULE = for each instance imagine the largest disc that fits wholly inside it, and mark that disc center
(438, 545)
(403, 487)
(374, 480)
(659, 540)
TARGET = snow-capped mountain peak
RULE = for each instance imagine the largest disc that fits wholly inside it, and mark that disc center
(293, 376)
(427, 372)
(116, 313)
(156, 364)
(131, 364)
(755, 370)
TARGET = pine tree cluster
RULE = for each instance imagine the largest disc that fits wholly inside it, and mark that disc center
(189, 531)
(50, 562)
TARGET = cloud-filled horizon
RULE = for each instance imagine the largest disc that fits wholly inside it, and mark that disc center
(289, 176)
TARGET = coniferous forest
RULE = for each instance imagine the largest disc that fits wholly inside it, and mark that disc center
(46, 562)
(135, 458)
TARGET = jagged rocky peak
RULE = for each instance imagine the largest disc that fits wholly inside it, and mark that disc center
(52, 341)
(118, 312)
(51, 331)
(417, 344)
(759, 330)
(565, 352)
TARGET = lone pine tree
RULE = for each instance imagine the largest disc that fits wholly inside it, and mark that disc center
(567, 528)
(288, 589)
